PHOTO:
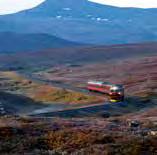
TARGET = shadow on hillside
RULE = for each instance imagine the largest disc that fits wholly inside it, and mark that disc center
(18, 104)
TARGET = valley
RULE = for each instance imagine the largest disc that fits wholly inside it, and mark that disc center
(50, 107)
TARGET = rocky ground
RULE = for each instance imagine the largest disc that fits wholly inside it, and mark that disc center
(133, 134)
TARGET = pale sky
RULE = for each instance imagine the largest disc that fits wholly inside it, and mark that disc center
(13, 6)
(129, 3)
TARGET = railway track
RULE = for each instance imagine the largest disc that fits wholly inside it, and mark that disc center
(64, 86)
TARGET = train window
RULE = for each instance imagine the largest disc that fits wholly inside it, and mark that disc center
(117, 90)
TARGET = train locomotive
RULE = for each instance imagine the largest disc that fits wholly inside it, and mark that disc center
(114, 91)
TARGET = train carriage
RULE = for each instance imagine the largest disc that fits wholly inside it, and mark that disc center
(114, 91)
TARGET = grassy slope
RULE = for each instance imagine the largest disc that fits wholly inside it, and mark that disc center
(14, 83)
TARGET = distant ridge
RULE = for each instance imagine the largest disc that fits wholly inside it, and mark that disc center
(16, 42)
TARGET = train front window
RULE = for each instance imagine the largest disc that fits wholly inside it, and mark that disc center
(116, 90)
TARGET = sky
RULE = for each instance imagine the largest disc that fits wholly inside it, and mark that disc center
(13, 6)
(129, 3)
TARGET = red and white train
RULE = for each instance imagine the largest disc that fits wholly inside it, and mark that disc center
(114, 91)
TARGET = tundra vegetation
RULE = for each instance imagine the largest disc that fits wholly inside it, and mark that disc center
(79, 136)
(88, 135)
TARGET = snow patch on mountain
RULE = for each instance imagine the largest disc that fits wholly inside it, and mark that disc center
(67, 9)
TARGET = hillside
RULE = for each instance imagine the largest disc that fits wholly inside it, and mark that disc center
(28, 61)
(80, 136)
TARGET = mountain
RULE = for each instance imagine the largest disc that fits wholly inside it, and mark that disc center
(84, 21)
(14, 42)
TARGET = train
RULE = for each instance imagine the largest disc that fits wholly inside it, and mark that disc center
(114, 91)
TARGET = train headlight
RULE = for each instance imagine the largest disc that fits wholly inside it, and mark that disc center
(115, 88)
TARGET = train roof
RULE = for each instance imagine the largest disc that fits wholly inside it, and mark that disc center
(99, 83)
(105, 83)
